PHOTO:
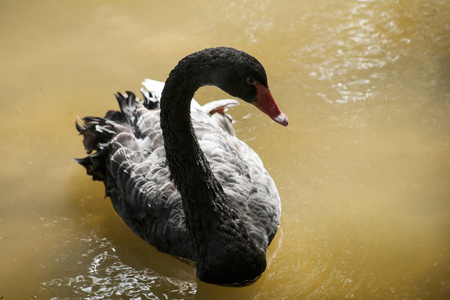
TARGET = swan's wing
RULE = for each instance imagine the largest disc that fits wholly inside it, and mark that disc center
(219, 106)
(217, 111)
(130, 160)
(244, 179)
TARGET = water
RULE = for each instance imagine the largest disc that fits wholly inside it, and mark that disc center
(363, 168)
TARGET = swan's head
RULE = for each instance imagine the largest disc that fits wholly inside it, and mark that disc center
(241, 75)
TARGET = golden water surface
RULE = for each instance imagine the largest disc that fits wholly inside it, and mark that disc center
(363, 168)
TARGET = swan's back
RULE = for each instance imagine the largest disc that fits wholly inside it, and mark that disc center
(130, 159)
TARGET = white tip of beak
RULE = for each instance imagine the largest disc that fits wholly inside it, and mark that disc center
(281, 119)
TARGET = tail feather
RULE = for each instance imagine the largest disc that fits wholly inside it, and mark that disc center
(95, 164)
(95, 131)
(127, 104)
(98, 132)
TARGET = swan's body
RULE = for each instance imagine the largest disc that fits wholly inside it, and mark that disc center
(191, 189)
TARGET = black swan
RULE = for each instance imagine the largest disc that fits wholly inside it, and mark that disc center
(177, 175)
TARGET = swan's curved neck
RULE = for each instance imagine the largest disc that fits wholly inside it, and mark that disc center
(208, 211)
(189, 168)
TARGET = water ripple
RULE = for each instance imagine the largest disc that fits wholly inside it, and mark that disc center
(105, 276)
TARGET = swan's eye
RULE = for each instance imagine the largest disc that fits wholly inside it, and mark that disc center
(251, 81)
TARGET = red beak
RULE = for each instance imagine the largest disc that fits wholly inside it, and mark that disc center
(266, 103)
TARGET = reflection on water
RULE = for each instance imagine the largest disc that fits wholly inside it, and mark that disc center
(363, 167)
(102, 274)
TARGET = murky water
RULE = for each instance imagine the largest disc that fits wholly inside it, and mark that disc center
(363, 167)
